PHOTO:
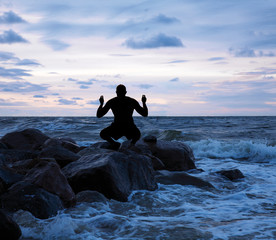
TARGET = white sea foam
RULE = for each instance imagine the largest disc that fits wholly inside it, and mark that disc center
(241, 149)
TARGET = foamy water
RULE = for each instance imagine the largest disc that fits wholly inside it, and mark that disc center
(244, 209)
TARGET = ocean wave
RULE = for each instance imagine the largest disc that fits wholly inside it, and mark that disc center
(239, 150)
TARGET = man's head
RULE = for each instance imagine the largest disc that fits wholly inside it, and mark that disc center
(121, 90)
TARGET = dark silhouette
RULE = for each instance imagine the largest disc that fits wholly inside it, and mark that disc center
(123, 124)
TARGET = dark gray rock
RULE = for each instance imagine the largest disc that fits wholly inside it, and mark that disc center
(232, 174)
(7, 178)
(28, 139)
(62, 155)
(62, 142)
(176, 156)
(182, 178)
(29, 197)
(14, 155)
(9, 229)
(113, 174)
(90, 197)
(48, 176)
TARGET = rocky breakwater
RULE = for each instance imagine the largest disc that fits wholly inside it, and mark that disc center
(41, 175)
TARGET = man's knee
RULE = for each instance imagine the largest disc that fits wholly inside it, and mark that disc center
(135, 136)
(104, 134)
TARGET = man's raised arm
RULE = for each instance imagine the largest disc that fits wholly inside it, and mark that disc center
(102, 110)
(143, 110)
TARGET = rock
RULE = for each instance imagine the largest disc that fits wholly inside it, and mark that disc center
(232, 174)
(13, 155)
(150, 139)
(48, 176)
(90, 197)
(62, 155)
(3, 146)
(62, 142)
(8, 178)
(29, 197)
(113, 174)
(182, 178)
(24, 166)
(9, 229)
(28, 139)
(176, 156)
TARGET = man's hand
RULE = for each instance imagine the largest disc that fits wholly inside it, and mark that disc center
(144, 99)
(101, 100)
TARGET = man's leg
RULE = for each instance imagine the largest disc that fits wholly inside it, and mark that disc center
(134, 134)
(106, 134)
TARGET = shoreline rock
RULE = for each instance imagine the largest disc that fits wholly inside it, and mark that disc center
(43, 175)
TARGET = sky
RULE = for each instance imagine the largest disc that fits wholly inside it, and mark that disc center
(189, 57)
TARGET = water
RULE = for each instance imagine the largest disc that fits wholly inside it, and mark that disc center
(245, 209)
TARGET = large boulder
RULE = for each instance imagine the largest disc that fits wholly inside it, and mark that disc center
(49, 176)
(7, 178)
(14, 155)
(28, 139)
(9, 229)
(113, 174)
(62, 155)
(176, 156)
(29, 197)
(182, 178)
(66, 143)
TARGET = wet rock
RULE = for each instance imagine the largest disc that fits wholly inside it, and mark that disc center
(8, 178)
(68, 144)
(150, 139)
(182, 178)
(62, 155)
(29, 197)
(28, 139)
(48, 176)
(176, 156)
(3, 146)
(24, 166)
(14, 155)
(90, 197)
(113, 174)
(9, 229)
(232, 174)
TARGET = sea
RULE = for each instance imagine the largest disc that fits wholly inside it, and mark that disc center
(234, 210)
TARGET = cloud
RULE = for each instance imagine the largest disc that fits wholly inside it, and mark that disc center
(4, 102)
(13, 73)
(11, 37)
(178, 61)
(6, 56)
(216, 59)
(72, 80)
(84, 87)
(248, 52)
(63, 101)
(21, 87)
(83, 84)
(174, 80)
(57, 45)
(10, 18)
(157, 41)
(163, 19)
(39, 96)
(93, 102)
(77, 98)
(27, 62)
(144, 86)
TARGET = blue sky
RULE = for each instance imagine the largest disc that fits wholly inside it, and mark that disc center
(210, 57)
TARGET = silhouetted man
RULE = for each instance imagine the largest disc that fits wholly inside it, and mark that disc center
(123, 124)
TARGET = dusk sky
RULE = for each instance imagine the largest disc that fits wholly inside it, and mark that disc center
(189, 57)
